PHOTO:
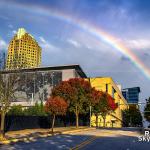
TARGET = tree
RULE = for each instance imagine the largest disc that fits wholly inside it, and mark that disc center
(7, 90)
(76, 92)
(132, 117)
(147, 110)
(16, 110)
(36, 110)
(95, 97)
(103, 104)
(56, 106)
(108, 104)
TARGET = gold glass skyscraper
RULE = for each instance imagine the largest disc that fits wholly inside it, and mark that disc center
(23, 51)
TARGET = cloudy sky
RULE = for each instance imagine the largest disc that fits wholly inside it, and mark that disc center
(57, 25)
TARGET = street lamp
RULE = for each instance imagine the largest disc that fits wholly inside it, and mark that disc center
(90, 114)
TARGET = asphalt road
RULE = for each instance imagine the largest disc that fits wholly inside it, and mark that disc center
(98, 139)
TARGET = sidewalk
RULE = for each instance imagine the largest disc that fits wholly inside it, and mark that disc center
(28, 135)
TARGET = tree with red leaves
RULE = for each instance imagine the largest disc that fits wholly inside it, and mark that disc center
(76, 91)
(56, 106)
(95, 103)
(103, 104)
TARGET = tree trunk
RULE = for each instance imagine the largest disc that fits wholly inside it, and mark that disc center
(2, 133)
(104, 119)
(96, 120)
(53, 123)
(77, 117)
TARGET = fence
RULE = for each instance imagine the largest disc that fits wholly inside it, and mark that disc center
(13, 123)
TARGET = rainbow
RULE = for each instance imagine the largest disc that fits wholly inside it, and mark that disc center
(89, 28)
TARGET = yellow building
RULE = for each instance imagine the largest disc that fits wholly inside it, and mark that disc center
(106, 84)
(23, 51)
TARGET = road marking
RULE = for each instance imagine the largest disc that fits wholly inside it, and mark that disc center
(81, 145)
(102, 134)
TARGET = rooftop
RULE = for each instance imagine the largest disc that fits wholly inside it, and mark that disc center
(138, 88)
(74, 66)
(21, 32)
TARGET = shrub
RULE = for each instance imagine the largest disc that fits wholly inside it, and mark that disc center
(16, 110)
(36, 110)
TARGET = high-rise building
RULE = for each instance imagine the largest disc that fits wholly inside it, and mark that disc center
(23, 51)
(131, 95)
(2, 60)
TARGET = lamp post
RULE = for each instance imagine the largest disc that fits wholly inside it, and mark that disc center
(90, 114)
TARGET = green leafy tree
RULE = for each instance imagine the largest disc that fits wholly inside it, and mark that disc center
(36, 110)
(76, 92)
(56, 106)
(132, 117)
(147, 110)
(16, 110)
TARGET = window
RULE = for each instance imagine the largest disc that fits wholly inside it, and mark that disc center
(113, 92)
(106, 87)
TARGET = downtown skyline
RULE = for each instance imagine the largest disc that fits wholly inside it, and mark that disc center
(65, 42)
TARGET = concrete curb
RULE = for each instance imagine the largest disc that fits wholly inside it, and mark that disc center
(77, 130)
(30, 139)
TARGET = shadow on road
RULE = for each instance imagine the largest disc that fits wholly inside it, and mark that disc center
(65, 142)
(50, 143)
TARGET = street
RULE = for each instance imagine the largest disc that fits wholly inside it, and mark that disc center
(96, 139)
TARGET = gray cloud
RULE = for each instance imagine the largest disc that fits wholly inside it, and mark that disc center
(123, 58)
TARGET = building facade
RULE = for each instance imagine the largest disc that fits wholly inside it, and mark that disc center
(23, 51)
(106, 84)
(36, 83)
(131, 95)
(2, 60)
